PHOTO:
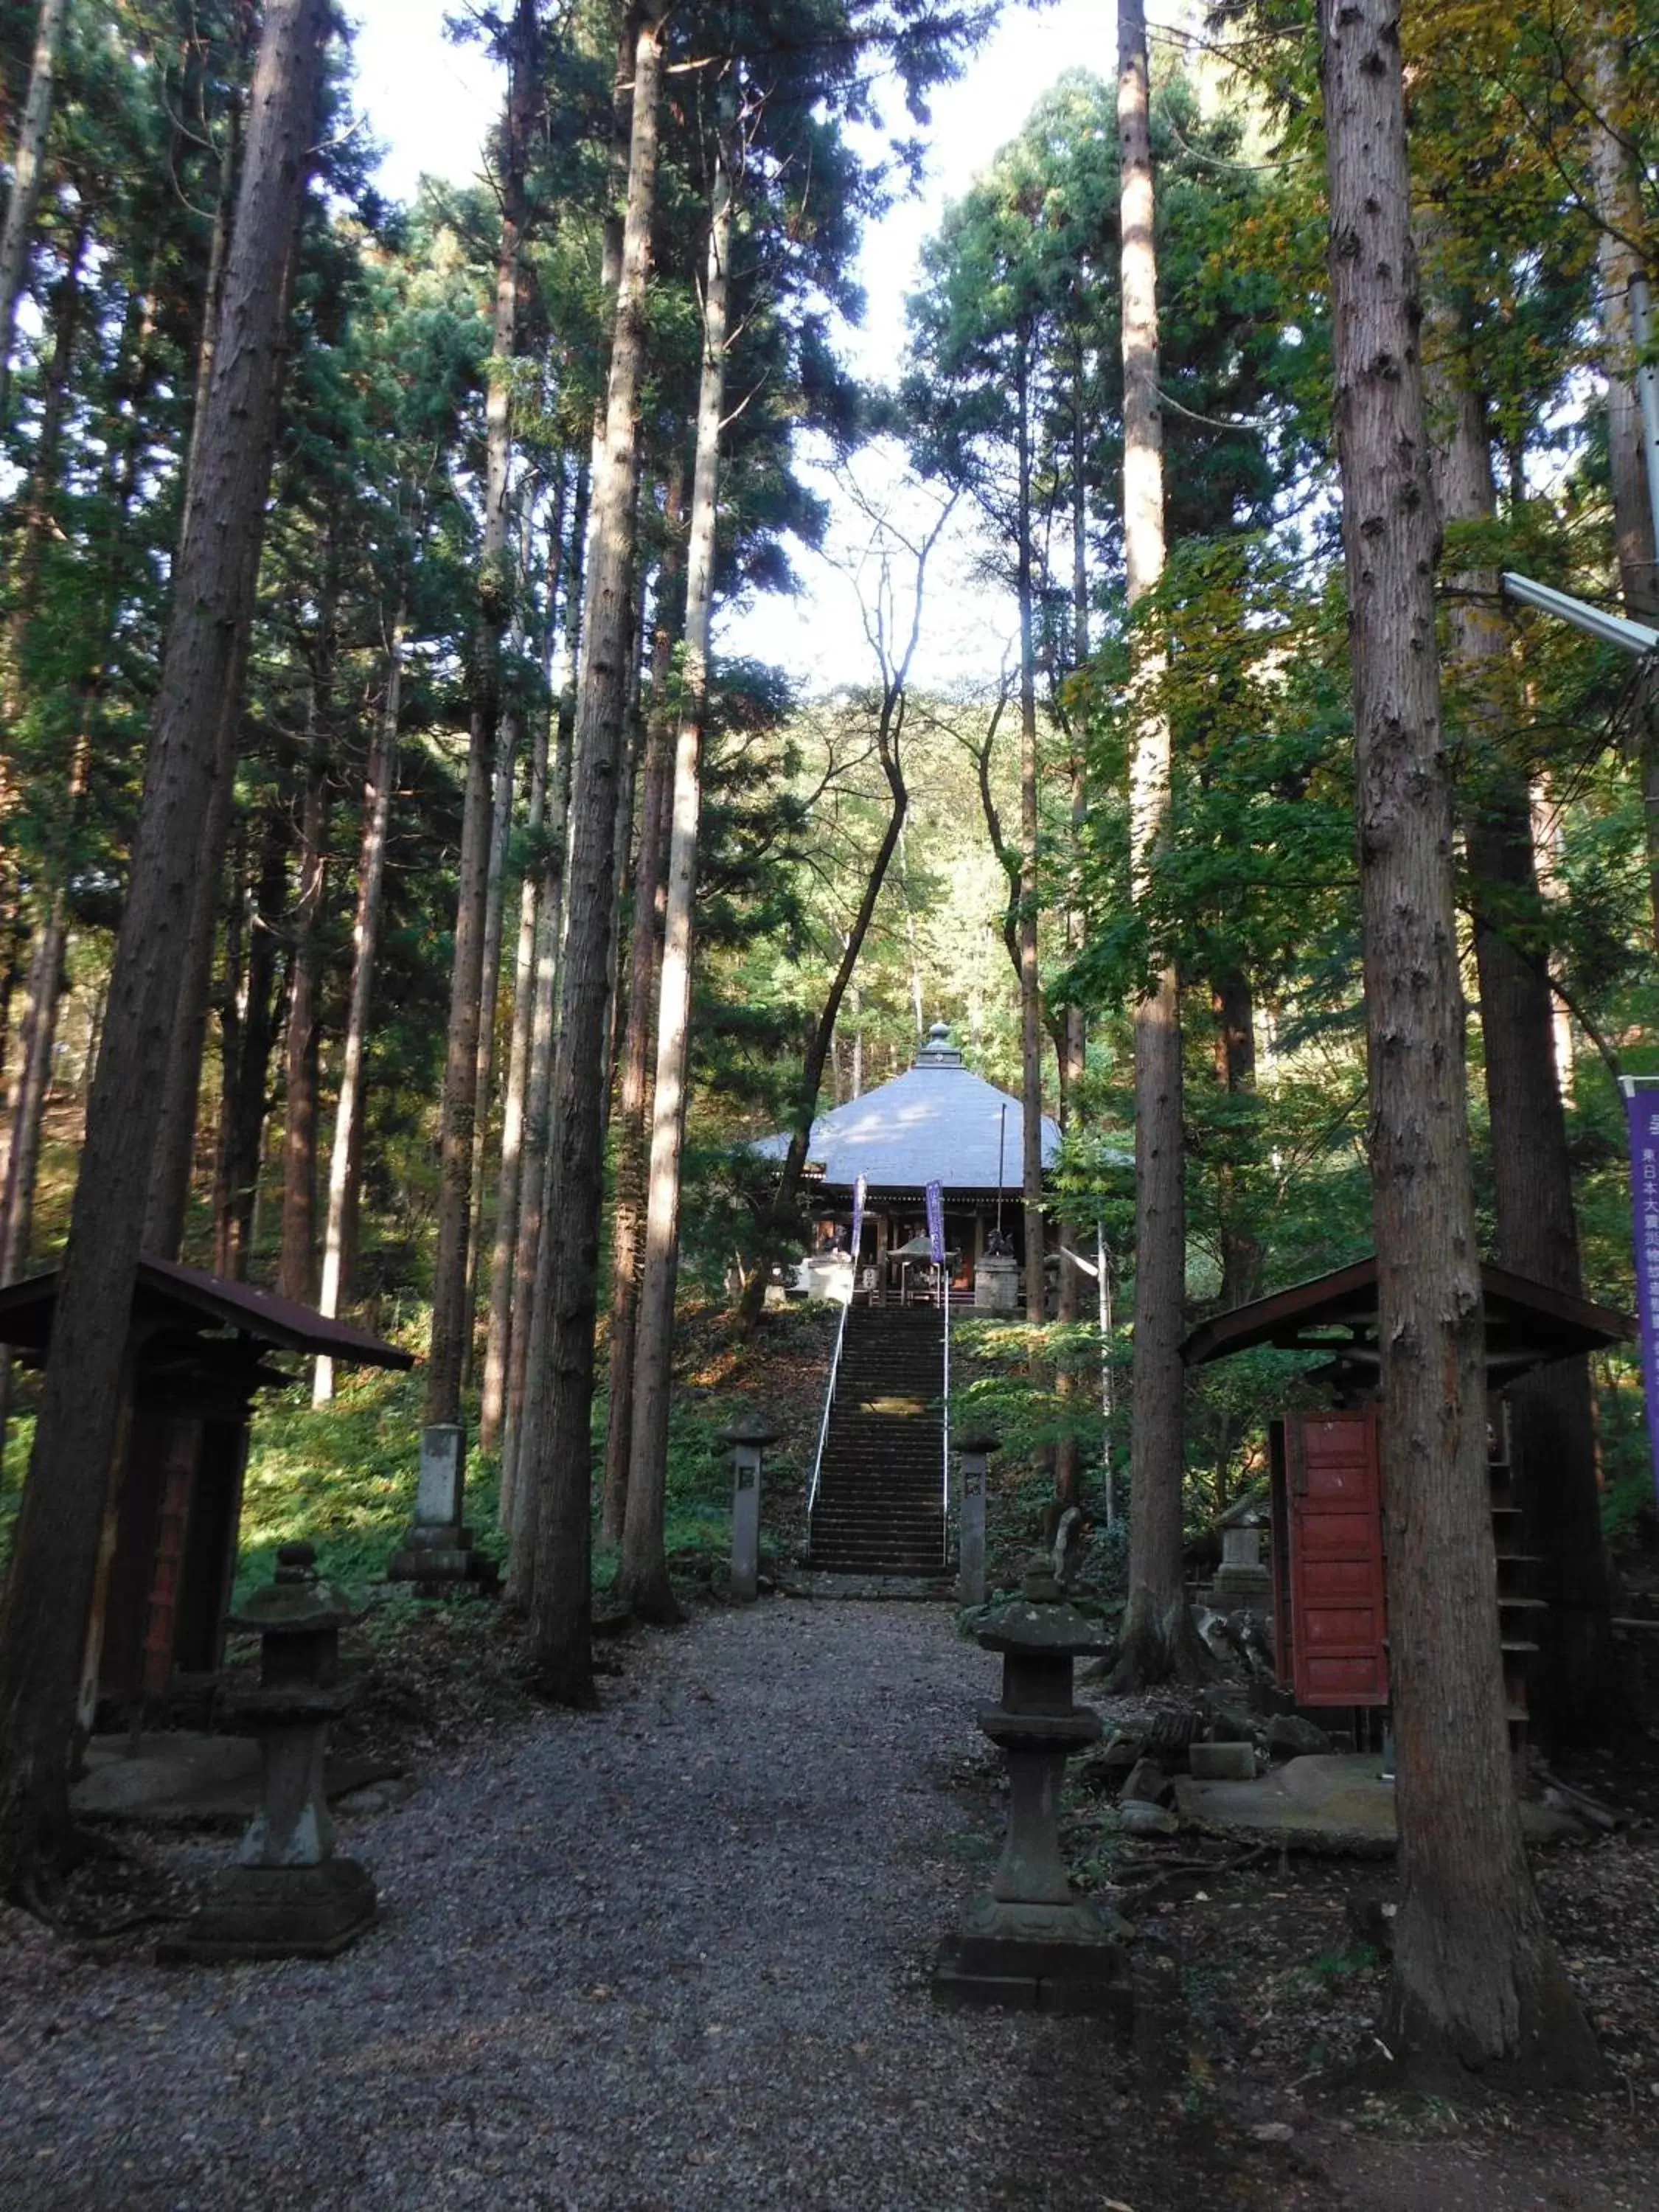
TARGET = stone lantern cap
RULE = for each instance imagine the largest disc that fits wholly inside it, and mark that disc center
(1254, 1510)
(751, 1428)
(1041, 1623)
(296, 1603)
(979, 1438)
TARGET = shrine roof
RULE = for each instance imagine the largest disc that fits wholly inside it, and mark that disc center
(938, 1122)
(1527, 1323)
(167, 1291)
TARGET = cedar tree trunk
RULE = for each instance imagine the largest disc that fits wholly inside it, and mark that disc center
(44, 1628)
(559, 1439)
(1476, 1980)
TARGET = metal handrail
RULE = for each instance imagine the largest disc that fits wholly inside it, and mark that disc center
(829, 1402)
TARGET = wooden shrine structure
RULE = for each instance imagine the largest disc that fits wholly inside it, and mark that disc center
(1329, 1599)
(195, 1360)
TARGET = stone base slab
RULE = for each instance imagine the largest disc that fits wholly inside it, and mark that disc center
(1037, 1958)
(440, 1556)
(275, 1913)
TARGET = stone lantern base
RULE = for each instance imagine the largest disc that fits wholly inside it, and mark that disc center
(275, 1913)
(1036, 1958)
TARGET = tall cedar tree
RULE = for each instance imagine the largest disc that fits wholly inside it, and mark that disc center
(644, 1578)
(450, 1313)
(1476, 1978)
(1576, 1689)
(1158, 1641)
(557, 1442)
(43, 1634)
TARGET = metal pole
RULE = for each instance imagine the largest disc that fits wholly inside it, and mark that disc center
(1002, 1132)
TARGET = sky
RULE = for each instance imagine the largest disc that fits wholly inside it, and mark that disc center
(429, 104)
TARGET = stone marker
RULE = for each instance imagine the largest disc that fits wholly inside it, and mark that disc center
(748, 1439)
(1031, 1940)
(288, 1896)
(437, 1551)
(996, 1284)
(974, 1449)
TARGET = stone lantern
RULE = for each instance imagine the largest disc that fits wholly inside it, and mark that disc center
(974, 1447)
(748, 1436)
(1031, 1940)
(288, 1896)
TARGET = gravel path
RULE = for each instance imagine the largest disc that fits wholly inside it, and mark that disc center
(667, 1957)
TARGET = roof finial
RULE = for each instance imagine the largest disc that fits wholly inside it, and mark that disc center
(939, 1051)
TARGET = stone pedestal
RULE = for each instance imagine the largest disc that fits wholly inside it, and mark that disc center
(974, 1450)
(1030, 1942)
(1242, 1579)
(288, 1896)
(436, 1553)
(748, 1439)
(996, 1284)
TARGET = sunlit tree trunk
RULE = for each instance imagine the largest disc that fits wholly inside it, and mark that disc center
(557, 1430)
(381, 782)
(501, 830)
(644, 1577)
(516, 1499)
(249, 1019)
(1158, 1640)
(1031, 986)
(1476, 1979)
(499, 1324)
(297, 1261)
(634, 1084)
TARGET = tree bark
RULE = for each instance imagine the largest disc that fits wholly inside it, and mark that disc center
(451, 1315)
(27, 174)
(645, 953)
(1234, 1004)
(1031, 984)
(501, 830)
(296, 1265)
(1575, 1692)
(27, 1106)
(174, 1154)
(499, 1328)
(1620, 212)
(1476, 1980)
(343, 1157)
(1159, 1639)
(43, 1630)
(559, 1437)
(644, 1577)
(249, 1025)
(516, 1498)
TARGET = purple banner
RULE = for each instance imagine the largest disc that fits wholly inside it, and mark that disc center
(1643, 1109)
(936, 1223)
(858, 1217)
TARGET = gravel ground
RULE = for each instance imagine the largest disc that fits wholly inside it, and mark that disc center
(670, 1956)
(673, 1957)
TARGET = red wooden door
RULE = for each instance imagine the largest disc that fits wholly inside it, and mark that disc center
(1338, 1626)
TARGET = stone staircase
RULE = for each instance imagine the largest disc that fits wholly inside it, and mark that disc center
(880, 1507)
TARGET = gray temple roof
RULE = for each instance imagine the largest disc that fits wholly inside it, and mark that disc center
(938, 1122)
